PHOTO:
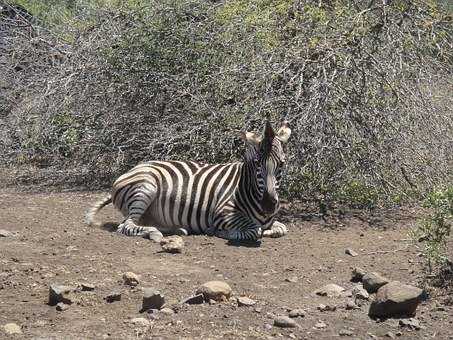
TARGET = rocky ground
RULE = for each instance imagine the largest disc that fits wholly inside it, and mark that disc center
(107, 286)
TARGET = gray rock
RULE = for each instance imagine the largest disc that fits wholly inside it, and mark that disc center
(295, 313)
(131, 279)
(61, 307)
(395, 299)
(172, 244)
(358, 292)
(411, 323)
(390, 335)
(325, 308)
(194, 300)
(152, 299)
(5, 233)
(350, 304)
(320, 325)
(331, 290)
(215, 290)
(59, 293)
(112, 297)
(351, 252)
(357, 274)
(345, 332)
(284, 322)
(373, 281)
(292, 279)
(245, 301)
(12, 328)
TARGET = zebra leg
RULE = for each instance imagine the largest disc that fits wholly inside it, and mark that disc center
(236, 227)
(135, 205)
(277, 230)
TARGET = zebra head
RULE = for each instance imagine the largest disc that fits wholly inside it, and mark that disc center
(265, 158)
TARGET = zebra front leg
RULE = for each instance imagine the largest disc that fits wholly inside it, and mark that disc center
(276, 230)
(236, 227)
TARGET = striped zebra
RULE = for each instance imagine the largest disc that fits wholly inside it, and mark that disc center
(235, 201)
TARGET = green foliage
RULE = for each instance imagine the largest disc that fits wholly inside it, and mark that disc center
(434, 230)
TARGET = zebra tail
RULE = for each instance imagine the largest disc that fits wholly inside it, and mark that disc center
(89, 217)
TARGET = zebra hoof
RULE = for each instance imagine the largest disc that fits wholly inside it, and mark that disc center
(181, 232)
(155, 236)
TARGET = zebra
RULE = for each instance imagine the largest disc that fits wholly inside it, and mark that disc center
(235, 201)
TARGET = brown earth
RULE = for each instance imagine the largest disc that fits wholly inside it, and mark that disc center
(52, 245)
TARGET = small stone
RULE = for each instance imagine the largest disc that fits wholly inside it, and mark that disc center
(152, 299)
(61, 307)
(140, 322)
(292, 279)
(324, 308)
(395, 299)
(112, 297)
(216, 290)
(331, 290)
(360, 293)
(87, 287)
(267, 326)
(12, 328)
(172, 244)
(373, 281)
(390, 335)
(350, 304)
(412, 324)
(245, 301)
(284, 322)
(5, 233)
(345, 332)
(131, 279)
(59, 293)
(295, 313)
(357, 274)
(351, 252)
(194, 300)
(167, 311)
(320, 325)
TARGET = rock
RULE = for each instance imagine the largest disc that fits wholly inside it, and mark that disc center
(152, 299)
(59, 293)
(216, 290)
(395, 299)
(194, 300)
(172, 244)
(245, 301)
(292, 279)
(5, 233)
(351, 252)
(295, 313)
(140, 322)
(320, 325)
(331, 290)
(350, 304)
(61, 307)
(373, 281)
(345, 332)
(167, 311)
(284, 322)
(87, 287)
(324, 308)
(112, 297)
(12, 328)
(357, 274)
(131, 279)
(360, 293)
(412, 324)
(390, 335)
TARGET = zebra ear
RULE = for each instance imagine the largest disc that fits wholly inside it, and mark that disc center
(284, 132)
(249, 137)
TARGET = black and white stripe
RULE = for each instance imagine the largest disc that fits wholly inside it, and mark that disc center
(236, 201)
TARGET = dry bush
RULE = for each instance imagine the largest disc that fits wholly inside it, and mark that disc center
(365, 86)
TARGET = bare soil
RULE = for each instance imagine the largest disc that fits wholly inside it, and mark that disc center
(53, 245)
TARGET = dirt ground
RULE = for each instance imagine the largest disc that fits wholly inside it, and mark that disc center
(52, 245)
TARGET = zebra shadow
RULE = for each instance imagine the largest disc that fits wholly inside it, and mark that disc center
(110, 226)
(246, 244)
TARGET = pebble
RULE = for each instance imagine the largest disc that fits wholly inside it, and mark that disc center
(131, 279)
(215, 290)
(152, 299)
(324, 308)
(245, 301)
(140, 322)
(12, 328)
(373, 281)
(292, 279)
(86, 287)
(350, 304)
(167, 311)
(59, 293)
(351, 252)
(5, 233)
(320, 325)
(390, 335)
(112, 297)
(345, 332)
(284, 322)
(331, 290)
(295, 313)
(360, 293)
(172, 244)
(61, 307)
